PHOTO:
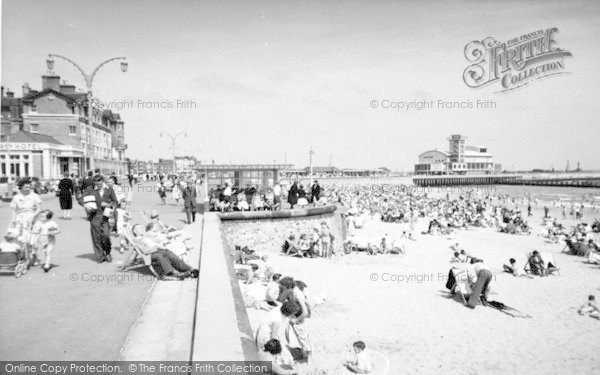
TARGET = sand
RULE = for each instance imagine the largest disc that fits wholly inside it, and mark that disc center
(413, 322)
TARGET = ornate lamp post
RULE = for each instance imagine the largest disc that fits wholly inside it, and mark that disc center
(173, 139)
(89, 79)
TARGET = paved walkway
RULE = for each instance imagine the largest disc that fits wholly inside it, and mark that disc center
(80, 309)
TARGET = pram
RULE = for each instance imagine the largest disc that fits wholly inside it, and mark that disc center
(17, 262)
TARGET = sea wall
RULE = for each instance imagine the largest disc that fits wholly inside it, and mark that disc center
(266, 234)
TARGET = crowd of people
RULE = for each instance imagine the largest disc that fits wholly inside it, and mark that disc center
(32, 232)
(281, 336)
(228, 198)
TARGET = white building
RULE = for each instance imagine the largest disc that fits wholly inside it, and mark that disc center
(460, 159)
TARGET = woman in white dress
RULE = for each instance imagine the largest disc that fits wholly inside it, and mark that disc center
(24, 206)
(176, 192)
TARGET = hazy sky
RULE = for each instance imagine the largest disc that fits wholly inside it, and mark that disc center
(272, 78)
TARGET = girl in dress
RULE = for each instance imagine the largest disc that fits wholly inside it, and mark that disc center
(176, 192)
(43, 237)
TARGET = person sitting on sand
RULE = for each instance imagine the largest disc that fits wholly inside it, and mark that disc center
(287, 285)
(361, 364)
(273, 289)
(512, 268)
(281, 361)
(590, 308)
(537, 264)
(456, 258)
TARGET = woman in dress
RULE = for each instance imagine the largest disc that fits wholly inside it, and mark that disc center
(65, 196)
(176, 192)
(24, 207)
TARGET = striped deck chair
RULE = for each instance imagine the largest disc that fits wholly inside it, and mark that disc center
(548, 260)
(136, 259)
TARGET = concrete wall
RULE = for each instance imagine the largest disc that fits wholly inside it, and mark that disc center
(267, 235)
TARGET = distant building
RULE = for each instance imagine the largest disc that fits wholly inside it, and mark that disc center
(185, 163)
(460, 159)
(166, 166)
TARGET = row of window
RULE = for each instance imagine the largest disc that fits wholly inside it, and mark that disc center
(14, 157)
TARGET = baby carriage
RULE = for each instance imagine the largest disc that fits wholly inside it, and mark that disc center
(14, 256)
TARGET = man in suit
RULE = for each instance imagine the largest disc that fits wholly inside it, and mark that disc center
(189, 202)
(293, 194)
(105, 197)
(315, 192)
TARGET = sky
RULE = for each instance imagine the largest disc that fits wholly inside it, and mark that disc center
(268, 80)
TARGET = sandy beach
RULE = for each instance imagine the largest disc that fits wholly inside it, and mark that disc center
(399, 306)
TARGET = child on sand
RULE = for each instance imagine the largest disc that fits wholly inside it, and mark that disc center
(590, 308)
(361, 364)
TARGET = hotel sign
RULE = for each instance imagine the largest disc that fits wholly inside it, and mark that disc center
(515, 63)
(7, 146)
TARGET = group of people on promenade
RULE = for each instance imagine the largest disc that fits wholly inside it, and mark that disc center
(32, 232)
(228, 198)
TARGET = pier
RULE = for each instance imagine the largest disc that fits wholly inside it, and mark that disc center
(588, 182)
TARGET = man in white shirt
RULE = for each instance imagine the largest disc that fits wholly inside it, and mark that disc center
(277, 196)
(482, 277)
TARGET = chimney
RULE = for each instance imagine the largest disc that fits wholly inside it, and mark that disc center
(51, 82)
(25, 88)
(67, 89)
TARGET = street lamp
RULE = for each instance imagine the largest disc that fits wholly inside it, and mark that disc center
(89, 79)
(173, 139)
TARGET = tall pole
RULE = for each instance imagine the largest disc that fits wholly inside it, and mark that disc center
(173, 139)
(89, 80)
(310, 155)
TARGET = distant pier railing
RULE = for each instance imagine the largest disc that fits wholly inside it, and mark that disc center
(593, 182)
(463, 180)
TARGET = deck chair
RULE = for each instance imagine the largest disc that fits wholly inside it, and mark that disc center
(145, 216)
(547, 258)
(136, 259)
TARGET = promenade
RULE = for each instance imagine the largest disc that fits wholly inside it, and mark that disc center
(81, 309)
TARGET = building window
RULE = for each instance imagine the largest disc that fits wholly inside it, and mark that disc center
(72, 130)
(34, 128)
(33, 108)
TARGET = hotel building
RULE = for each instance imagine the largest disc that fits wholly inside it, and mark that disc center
(45, 133)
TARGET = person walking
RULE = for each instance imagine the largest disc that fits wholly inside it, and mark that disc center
(189, 202)
(65, 196)
(176, 192)
(162, 192)
(315, 191)
(293, 194)
(277, 196)
(24, 207)
(99, 200)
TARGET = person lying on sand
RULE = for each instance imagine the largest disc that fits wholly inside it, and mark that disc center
(590, 308)
(361, 364)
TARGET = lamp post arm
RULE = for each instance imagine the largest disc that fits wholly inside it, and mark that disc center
(91, 77)
(88, 80)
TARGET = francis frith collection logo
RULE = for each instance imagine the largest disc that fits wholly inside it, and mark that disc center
(515, 63)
